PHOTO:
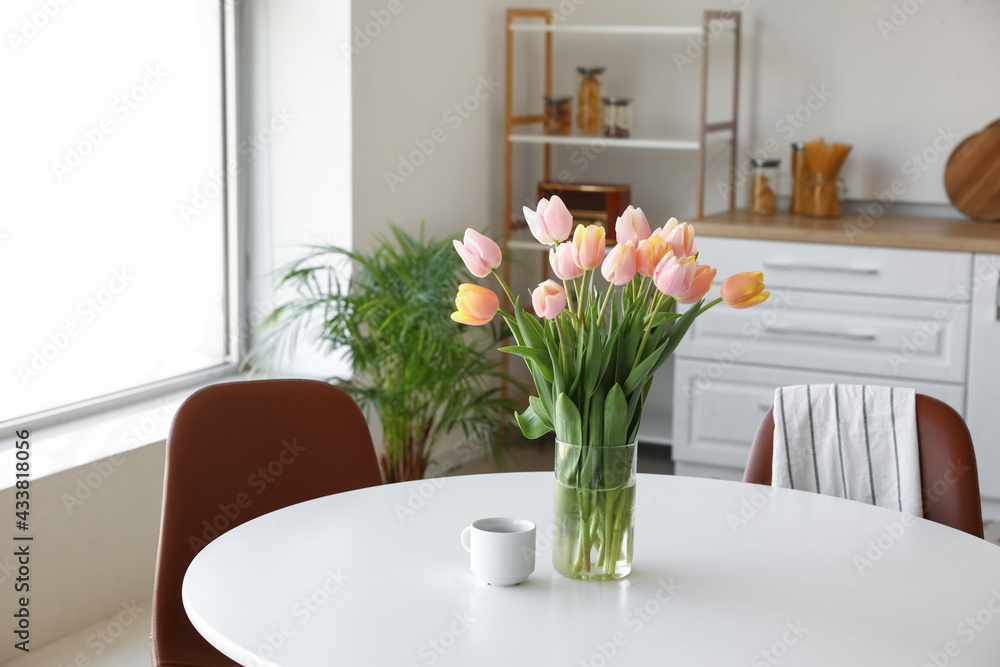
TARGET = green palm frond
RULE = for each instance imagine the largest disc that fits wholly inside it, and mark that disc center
(424, 375)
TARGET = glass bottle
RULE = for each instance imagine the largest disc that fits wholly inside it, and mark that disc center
(588, 100)
(617, 122)
(763, 198)
(558, 115)
(799, 177)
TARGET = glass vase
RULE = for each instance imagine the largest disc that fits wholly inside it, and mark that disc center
(594, 511)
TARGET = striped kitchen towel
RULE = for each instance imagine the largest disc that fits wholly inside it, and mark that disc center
(852, 441)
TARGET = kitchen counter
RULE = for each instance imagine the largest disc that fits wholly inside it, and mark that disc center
(888, 231)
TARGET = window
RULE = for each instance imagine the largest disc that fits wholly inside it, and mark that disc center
(117, 230)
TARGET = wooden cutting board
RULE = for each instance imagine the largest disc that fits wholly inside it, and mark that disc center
(972, 175)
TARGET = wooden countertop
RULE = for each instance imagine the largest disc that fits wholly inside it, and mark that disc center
(886, 232)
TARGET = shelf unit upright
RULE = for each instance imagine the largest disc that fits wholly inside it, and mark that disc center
(540, 21)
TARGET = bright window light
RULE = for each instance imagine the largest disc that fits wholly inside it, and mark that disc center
(112, 227)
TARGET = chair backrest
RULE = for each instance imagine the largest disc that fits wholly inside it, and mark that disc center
(237, 451)
(948, 476)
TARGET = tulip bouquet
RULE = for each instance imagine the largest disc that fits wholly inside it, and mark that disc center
(592, 354)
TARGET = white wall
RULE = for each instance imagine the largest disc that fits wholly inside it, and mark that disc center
(300, 184)
(97, 528)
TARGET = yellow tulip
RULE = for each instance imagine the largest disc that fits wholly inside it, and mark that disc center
(476, 305)
(648, 255)
(588, 246)
(744, 290)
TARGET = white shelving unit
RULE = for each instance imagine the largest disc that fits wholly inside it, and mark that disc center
(657, 418)
(662, 144)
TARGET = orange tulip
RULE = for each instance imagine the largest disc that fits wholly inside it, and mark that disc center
(476, 305)
(703, 277)
(648, 254)
(744, 290)
(588, 246)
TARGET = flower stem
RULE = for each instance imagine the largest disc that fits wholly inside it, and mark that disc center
(607, 296)
(504, 286)
(714, 303)
(657, 302)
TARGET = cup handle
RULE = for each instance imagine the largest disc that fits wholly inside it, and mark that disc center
(467, 538)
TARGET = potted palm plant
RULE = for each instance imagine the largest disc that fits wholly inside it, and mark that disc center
(387, 311)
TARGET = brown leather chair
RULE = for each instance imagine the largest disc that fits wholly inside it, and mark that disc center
(237, 451)
(948, 475)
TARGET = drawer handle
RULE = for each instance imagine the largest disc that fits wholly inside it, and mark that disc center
(795, 266)
(798, 331)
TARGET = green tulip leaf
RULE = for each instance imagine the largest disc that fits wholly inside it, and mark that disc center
(531, 424)
(541, 410)
(615, 417)
(596, 419)
(531, 354)
(568, 425)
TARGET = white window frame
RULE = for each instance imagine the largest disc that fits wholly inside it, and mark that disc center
(236, 331)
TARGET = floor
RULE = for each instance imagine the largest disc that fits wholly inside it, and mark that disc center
(128, 649)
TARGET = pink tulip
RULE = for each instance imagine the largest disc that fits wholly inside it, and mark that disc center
(476, 305)
(674, 275)
(549, 299)
(664, 232)
(480, 253)
(681, 240)
(632, 226)
(649, 253)
(588, 246)
(700, 285)
(550, 222)
(744, 290)
(563, 263)
(619, 265)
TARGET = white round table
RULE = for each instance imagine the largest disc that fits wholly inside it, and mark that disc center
(724, 574)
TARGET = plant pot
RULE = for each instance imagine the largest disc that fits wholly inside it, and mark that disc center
(594, 511)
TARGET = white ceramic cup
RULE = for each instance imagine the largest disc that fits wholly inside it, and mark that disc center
(503, 550)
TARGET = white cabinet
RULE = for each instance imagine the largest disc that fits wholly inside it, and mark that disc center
(984, 378)
(874, 335)
(846, 269)
(718, 407)
(860, 315)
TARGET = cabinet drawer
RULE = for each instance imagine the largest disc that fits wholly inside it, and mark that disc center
(850, 269)
(896, 338)
(717, 411)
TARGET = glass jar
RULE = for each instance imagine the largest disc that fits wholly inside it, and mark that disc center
(800, 173)
(764, 183)
(558, 115)
(617, 117)
(588, 100)
(823, 192)
(594, 511)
